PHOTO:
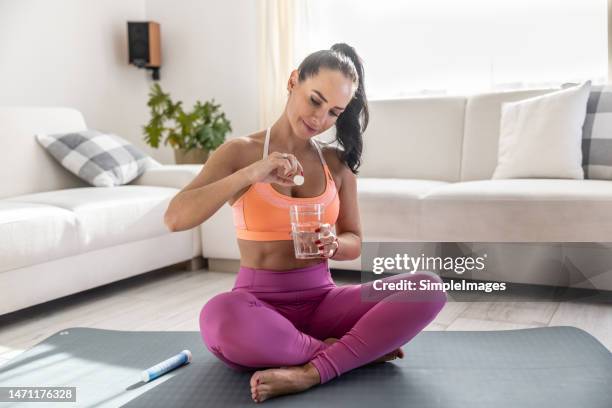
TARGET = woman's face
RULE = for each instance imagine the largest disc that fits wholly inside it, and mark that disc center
(315, 104)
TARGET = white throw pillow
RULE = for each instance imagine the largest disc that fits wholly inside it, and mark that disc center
(542, 136)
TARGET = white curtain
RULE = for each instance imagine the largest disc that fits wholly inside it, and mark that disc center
(276, 56)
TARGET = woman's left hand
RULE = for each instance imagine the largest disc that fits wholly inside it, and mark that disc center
(328, 242)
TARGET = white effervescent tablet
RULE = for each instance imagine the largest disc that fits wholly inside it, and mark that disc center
(298, 179)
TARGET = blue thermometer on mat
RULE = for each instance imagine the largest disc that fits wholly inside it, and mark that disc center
(184, 357)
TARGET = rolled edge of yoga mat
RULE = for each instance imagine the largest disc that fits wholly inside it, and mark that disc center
(151, 373)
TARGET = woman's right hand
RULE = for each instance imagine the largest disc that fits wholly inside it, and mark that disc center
(278, 168)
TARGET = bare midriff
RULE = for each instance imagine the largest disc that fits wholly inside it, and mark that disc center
(271, 255)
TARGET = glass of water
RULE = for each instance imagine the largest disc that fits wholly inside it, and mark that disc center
(305, 219)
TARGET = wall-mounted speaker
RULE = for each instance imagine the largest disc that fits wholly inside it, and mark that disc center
(144, 45)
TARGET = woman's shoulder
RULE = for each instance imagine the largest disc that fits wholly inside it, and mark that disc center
(247, 142)
(333, 158)
(246, 148)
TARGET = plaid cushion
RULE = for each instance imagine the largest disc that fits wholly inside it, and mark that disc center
(597, 133)
(101, 159)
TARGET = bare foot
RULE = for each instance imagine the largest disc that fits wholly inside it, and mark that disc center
(273, 382)
(397, 353)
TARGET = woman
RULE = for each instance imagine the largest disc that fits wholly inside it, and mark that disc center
(283, 312)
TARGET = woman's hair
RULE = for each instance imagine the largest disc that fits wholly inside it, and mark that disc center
(353, 121)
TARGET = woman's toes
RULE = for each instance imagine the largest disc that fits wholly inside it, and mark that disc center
(262, 394)
(397, 353)
(254, 382)
(255, 378)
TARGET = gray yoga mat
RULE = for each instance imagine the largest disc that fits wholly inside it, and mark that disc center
(556, 367)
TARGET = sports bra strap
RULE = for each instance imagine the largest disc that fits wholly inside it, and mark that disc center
(266, 144)
(315, 142)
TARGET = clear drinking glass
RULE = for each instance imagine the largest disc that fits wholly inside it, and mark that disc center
(305, 219)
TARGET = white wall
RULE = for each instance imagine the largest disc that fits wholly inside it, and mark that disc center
(74, 53)
(209, 50)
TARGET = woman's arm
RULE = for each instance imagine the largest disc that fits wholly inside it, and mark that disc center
(348, 225)
(208, 191)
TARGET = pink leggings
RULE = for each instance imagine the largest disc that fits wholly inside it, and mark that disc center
(280, 318)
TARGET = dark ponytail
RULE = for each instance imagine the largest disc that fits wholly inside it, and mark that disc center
(353, 121)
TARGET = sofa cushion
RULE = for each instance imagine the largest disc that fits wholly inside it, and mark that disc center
(169, 175)
(101, 159)
(541, 137)
(108, 216)
(481, 136)
(33, 233)
(390, 208)
(415, 138)
(519, 210)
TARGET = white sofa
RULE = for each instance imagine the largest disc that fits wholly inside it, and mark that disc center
(425, 177)
(58, 235)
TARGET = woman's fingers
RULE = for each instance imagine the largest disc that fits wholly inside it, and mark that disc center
(324, 229)
(290, 164)
(299, 168)
(295, 167)
(284, 166)
(326, 236)
(327, 249)
(326, 240)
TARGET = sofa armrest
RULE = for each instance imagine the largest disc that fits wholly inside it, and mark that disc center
(169, 175)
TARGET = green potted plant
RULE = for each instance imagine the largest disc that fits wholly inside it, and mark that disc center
(193, 134)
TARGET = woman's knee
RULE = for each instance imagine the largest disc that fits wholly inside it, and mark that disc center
(240, 329)
(436, 285)
(427, 287)
(222, 325)
(221, 315)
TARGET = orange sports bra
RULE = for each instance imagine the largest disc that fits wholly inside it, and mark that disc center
(262, 213)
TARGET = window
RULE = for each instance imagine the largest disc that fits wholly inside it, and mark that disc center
(461, 47)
